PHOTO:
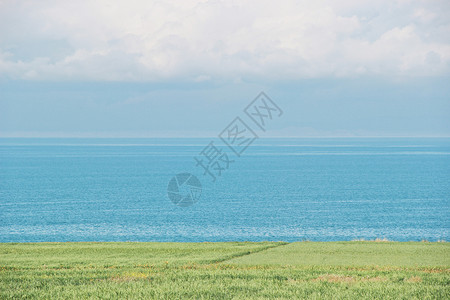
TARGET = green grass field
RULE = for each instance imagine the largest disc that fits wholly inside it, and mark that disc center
(236, 270)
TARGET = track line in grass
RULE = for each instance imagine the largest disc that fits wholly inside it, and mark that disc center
(245, 253)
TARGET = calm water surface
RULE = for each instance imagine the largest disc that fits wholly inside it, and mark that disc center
(280, 189)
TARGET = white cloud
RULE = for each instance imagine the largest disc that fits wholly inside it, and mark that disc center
(207, 40)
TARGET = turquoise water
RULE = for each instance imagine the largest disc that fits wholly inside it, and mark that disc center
(279, 189)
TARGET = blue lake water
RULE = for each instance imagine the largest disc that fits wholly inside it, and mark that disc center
(279, 189)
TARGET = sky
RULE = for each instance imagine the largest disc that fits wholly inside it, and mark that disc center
(186, 68)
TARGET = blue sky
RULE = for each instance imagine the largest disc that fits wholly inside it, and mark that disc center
(166, 68)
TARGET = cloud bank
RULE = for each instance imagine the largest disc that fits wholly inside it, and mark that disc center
(222, 40)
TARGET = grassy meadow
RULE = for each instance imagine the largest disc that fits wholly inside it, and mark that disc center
(234, 270)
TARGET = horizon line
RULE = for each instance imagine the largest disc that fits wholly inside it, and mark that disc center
(205, 137)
